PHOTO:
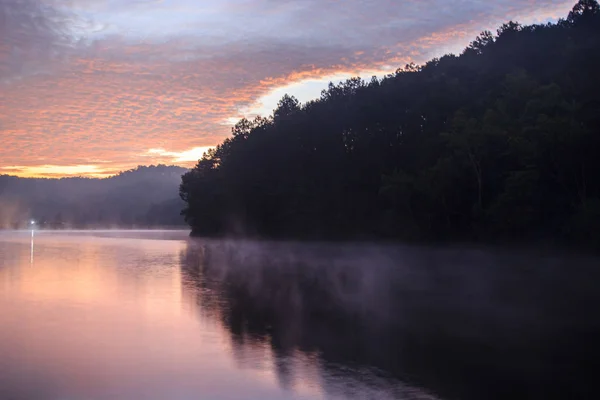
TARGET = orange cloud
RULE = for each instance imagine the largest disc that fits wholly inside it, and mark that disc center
(113, 102)
(53, 171)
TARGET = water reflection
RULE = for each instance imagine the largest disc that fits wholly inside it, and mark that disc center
(311, 319)
(134, 315)
(31, 255)
(79, 319)
(125, 317)
(463, 324)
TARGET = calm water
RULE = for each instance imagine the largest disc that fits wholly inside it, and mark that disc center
(155, 315)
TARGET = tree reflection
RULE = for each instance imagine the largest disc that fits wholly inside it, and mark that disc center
(462, 324)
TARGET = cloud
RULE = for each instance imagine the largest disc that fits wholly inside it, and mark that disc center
(33, 35)
(109, 82)
(56, 171)
(192, 155)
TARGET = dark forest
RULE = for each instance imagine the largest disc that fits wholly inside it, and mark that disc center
(499, 142)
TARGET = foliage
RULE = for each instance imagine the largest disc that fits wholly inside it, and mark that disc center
(500, 141)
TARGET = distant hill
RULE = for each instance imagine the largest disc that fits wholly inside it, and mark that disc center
(146, 196)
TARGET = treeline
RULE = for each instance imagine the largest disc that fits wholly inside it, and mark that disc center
(501, 141)
(142, 197)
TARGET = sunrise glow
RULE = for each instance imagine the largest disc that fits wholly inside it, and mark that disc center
(89, 82)
(55, 171)
(192, 155)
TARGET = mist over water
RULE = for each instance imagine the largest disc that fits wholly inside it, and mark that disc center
(155, 315)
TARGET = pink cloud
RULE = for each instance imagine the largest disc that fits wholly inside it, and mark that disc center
(110, 100)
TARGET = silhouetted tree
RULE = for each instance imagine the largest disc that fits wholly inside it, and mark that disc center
(584, 10)
(500, 141)
(287, 106)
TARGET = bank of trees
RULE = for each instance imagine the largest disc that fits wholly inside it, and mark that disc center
(502, 140)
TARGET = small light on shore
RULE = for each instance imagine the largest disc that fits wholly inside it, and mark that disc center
(32, 222)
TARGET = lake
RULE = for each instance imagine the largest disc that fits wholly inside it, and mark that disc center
(157, 315)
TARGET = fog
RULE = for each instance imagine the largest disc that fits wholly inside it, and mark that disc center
(469, 323)
(143, 197)
(353, 320)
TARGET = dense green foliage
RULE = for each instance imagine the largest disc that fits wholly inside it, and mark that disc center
(502, 140)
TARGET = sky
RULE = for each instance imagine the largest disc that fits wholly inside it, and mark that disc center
(93, 87)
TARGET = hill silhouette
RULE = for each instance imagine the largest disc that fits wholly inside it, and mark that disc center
(142, 197)
(501, 141)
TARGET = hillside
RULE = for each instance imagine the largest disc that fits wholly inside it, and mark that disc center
(142, 197)
(501, 141)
